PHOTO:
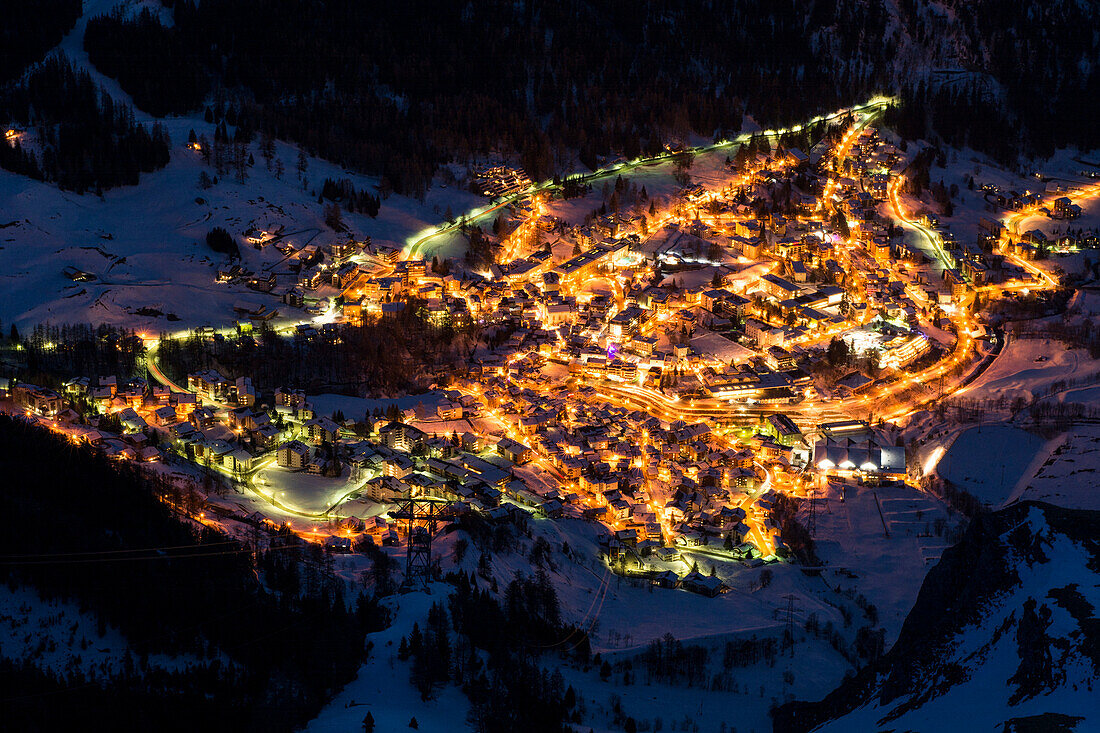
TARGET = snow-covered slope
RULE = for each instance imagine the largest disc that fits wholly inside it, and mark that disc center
(1004, 635)
(145, 243)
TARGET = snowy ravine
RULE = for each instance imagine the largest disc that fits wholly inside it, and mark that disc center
(1004, 635)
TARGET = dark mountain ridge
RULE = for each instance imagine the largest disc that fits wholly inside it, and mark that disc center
(398, 89)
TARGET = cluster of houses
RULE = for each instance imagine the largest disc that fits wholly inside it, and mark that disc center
(500, 180)
(785, 280)
(134, 404)
(652, 483)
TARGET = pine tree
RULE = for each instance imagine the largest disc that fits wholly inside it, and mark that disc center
(368, 723)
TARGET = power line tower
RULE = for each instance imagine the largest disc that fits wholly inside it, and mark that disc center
(788, 632)
(421, 516)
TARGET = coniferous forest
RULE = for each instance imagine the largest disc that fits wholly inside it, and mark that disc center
(86, 140)
(397, 90)
(30, 30)
(401, 88)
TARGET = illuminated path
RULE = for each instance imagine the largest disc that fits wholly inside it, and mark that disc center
(875, 105)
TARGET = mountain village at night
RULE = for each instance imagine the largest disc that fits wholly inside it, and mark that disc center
(338, 397)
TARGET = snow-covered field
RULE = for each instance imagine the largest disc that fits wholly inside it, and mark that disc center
(814, 669)
(303, 491)
(988, 460)
(973, 689)
(382, 686)
(622, 618)
(145, 243)
(1070, 475)
(1027, 368)
(852, 539)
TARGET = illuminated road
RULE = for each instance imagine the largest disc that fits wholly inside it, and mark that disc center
(929, 235)
(154, 368)
(876, 105)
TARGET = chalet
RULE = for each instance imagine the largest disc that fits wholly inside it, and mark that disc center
(450, 411)
(322, 430)
(164, 416)
(780, 359)
(397, 465)
(321, 466)
(797, 158)
(209, 384)
(1035, 236)
(762, 333)
(294, 455)
(345, 275)
(263, 282)
(955, 282)
(238, 460)
(182, 432)
(294, 298)
(310, 278)
(551, 509)
(385, 489)
(974, 271)
(338, 544)
(1064, 208)
(706, 585)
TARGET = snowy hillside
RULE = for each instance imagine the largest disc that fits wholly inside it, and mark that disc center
(62, 638)
(145, 244)
(1003, 637)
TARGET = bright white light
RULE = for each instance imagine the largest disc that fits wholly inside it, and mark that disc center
(933, 459)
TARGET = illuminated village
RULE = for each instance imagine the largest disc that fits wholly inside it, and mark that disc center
(676, 374)
(573, 367)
